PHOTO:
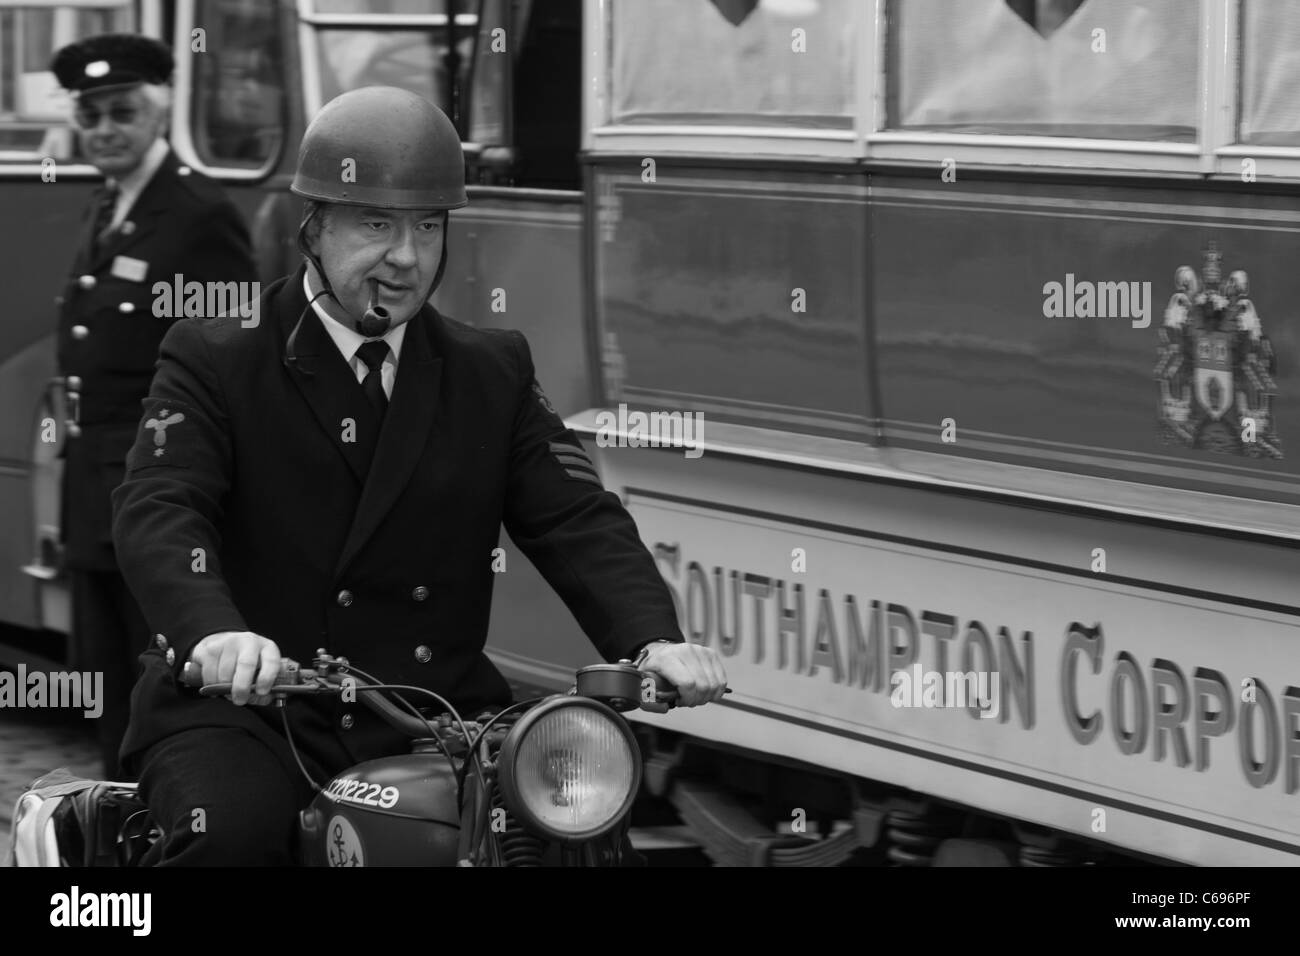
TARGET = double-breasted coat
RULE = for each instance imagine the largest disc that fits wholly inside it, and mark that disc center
(108, 335)
(265, 493)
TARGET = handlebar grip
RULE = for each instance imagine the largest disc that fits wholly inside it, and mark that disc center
(664, 700)
(661, 704)
(224, 689)
(192, 676)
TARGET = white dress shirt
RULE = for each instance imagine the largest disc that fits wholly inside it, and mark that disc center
(349, 340)
(130, 186)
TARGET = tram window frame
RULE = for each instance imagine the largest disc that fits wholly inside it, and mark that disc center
(488, 86)
(58, 141)
(602, 135)
(1216, 153)
(185, 112)
(1200, 158)
(1269, 162)
(312, 23)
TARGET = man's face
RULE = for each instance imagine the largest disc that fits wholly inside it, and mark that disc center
(116, 128)
(398, 247)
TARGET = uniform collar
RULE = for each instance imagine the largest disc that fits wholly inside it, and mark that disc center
(349, 340)
(133, 183)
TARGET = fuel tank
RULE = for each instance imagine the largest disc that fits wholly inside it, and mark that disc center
(394, 811)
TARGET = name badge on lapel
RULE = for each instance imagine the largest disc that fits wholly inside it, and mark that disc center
(132, 270)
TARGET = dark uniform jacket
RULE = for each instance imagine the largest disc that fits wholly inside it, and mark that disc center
(265, 497)
(108, 336)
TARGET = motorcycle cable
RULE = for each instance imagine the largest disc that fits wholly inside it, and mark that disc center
(485, 796)
(472, 753)
(293, 749)
(460, 779)
(375, 684)
(419, 716)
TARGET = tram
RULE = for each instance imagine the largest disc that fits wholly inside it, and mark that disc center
(982, 315)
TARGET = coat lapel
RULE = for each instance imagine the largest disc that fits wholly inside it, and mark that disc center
(407, 424)
(141, 219)
(326, 382)
(85, 247)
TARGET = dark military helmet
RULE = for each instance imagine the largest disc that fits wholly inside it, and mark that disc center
(384, 147)
(112, 61)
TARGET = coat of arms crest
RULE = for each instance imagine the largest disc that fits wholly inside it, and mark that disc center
(1216, 366)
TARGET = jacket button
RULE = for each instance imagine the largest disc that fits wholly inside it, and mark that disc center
(73, 383)
(58, 300)
(183, 170)
(86, 282)
(160, 641)
(420, 593)
(80, 332)
(126, 307)
(423, 654)
(171, 657)
(344, 598)
(74, 430)
(346, 721)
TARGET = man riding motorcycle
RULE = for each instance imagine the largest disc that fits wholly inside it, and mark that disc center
(336, 474)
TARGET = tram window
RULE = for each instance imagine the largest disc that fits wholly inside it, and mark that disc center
(489, 123)
(33, 109)
(361, 7)
(238, 107)
(547, 95)
(412, 60)
(1270, 73)
(1105, 69)
(734, 62)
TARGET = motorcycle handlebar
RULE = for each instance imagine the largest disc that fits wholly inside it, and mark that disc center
(298, 681)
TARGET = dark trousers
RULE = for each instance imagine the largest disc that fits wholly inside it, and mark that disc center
(109, 634)
(222, 798)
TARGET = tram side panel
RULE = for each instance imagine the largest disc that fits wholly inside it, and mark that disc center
(1150, 705)
(515, 263)
(1133, 333)
(1135, 709)
(33, 267)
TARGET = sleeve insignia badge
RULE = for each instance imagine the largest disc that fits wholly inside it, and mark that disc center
(575, 462)
(159, 426)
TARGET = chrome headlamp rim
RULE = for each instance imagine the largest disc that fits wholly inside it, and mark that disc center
(510, 792)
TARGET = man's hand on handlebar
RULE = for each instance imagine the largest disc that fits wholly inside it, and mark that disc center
(695, 671)
(248, 661)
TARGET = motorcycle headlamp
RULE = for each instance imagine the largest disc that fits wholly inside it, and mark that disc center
(570, 769)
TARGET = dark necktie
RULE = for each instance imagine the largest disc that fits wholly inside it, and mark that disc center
(103, 216)
(373, 354)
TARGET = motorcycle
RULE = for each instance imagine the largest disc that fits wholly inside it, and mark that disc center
(546, 781)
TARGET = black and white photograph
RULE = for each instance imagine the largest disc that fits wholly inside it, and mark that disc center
(659, 435)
